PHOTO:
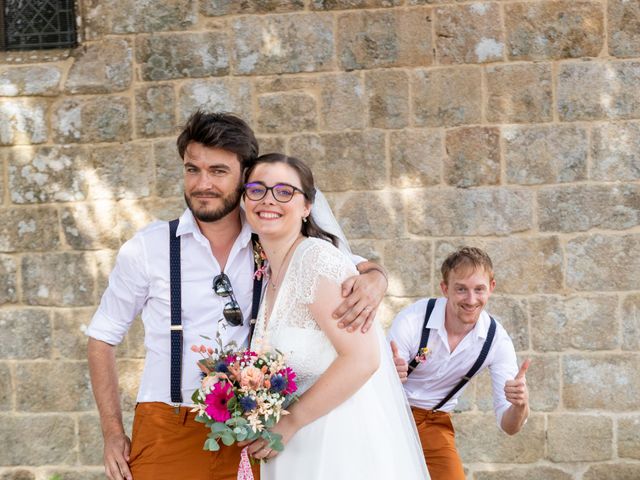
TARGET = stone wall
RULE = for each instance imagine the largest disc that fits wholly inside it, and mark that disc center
(512, 125)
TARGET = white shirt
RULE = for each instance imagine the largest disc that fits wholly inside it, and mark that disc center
(432, 380)
(139, 283)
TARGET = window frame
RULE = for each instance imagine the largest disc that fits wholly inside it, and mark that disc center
(66, 16)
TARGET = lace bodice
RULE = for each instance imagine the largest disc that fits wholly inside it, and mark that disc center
(291, 328)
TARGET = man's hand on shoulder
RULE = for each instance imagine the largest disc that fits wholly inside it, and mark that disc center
(363, 294)
(117, 448)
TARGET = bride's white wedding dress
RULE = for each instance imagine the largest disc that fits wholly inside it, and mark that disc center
(369, 436)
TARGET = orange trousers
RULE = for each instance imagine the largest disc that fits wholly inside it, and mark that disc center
(438, 444)
(166, 445)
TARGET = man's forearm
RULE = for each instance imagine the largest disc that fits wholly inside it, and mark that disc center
(104, 381)
(369, 266)
(514, 418)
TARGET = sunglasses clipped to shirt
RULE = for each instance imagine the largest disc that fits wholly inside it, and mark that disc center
(231, 312)
(282, 192)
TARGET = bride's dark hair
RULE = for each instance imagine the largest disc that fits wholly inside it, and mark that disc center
(309, 228)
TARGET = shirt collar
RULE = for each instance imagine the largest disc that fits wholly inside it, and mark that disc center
(188, 224)
(482, 327)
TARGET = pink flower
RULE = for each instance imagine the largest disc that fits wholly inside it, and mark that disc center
(260, 272)
(217, 400)
(290, 375)
(245, 356)
(251, 377)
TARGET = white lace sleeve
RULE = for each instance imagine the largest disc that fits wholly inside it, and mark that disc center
(321, 259)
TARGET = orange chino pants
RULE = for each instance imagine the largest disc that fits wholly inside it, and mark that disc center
(438, 444)
(166, 445)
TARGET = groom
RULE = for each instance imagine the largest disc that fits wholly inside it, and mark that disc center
(216, 249)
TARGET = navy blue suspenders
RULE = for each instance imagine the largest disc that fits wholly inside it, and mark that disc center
(424, 339)
(257, 291)
(176, 310)
(176, 313)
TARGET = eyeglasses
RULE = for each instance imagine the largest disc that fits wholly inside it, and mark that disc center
(282, 192)
(231, 312)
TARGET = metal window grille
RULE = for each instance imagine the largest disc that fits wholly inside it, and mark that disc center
(37, 24)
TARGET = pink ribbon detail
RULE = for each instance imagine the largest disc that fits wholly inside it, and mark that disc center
(244, 469)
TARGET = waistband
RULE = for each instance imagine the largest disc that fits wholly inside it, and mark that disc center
(422, 414)
(181, 415)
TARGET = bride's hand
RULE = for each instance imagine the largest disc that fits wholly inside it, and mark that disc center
(259, 448)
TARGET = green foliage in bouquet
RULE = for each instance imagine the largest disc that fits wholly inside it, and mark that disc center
(243, 394)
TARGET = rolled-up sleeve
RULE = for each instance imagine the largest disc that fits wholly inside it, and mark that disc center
(125, 295)
(503, 368)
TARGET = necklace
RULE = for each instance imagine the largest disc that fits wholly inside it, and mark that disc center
(274, 285)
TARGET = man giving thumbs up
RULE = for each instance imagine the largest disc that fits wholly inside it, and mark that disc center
(439, 344)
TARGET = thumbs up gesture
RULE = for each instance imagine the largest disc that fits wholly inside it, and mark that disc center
(402, 367)
(516, 390)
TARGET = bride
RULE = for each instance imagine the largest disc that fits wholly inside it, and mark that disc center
(351, 420)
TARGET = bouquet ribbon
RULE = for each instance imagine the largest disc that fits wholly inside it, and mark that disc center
(244, 469)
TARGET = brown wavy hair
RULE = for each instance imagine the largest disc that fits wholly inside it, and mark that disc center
(220, 130)
(309, 228)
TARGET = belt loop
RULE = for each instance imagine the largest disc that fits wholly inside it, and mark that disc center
(183, 414)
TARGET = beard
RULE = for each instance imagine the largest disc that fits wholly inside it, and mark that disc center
(208, 215)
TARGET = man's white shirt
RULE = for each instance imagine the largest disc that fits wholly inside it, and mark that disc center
(432, 380)
(139, 283)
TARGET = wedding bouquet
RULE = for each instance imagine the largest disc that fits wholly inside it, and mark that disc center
(242, 395)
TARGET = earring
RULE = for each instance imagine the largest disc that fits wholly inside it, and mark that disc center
(304, 219)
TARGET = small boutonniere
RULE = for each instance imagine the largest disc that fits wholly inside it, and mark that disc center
(260, 260)
(423, 353)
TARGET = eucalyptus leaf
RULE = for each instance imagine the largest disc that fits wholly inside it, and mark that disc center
(237, 422)
(227, 438)
(276, 444)
(275, 441)
(211, 445)
(219, 428)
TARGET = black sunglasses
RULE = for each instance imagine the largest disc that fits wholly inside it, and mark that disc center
(231, 312)
(282, 192)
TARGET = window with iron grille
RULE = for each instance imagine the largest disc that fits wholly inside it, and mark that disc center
(37, 24)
